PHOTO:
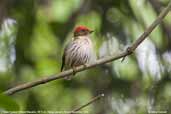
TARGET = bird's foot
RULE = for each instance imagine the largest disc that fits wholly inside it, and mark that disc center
(74, 70)
(70, 76)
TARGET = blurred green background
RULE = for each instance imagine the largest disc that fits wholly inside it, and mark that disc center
(33, 34)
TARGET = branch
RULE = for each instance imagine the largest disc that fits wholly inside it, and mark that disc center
(107, 59)
(90, 102)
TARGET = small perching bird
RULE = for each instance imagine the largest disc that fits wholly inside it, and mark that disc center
(79, 51)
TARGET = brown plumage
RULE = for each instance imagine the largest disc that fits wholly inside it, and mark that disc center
(79, 50)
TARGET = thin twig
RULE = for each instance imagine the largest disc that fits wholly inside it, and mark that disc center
(88, 103)
(151, 27)
(64, 74)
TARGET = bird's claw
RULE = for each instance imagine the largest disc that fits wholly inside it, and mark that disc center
(70, 76)
(74, 70)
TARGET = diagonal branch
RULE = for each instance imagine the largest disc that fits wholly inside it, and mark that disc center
(151, 27)
(108, 59)
(88, 103)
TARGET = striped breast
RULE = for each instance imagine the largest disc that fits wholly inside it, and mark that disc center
(78, 52)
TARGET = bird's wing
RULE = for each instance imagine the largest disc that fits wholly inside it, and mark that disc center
(63, 57)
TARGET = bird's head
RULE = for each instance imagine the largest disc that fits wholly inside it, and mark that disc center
(82, 31)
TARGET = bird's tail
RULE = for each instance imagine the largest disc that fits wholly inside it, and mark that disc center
(62, 67)
(63, 62)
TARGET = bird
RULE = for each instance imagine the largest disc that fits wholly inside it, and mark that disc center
(79, 51)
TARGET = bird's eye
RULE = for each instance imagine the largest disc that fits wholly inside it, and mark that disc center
(82, 30)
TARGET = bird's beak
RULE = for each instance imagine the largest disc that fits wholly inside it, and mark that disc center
(91, 31)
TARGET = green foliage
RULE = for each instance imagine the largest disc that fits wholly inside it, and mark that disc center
(62, 9)
(8, 104)
(31, 47)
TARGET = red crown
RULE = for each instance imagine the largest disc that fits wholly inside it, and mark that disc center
(79, 28)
